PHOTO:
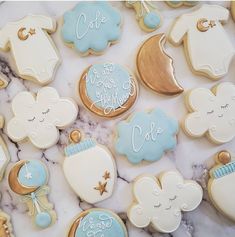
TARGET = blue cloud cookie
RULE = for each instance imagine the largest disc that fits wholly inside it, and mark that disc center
(146, 136)
(91, 27)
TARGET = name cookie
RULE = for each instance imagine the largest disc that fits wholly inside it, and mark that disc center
(91, 27)
(5, 225)
(202, 32)
(155, 67)
(212, 113)
(160, 201)
(89, 169)
(97, 222)
(146, 136)
(108, 89)
(146, 14)
(33, 50)
(28, 178)
(221, 184)
(39, 117)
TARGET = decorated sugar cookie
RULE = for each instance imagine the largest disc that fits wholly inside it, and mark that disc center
(91, 27)
(32, 48)
(28, 178)
(108, 89)
(212, 113)
(221, 185)
(146, 14)
(160, 201)
(39, 117)
(3, 81)
(202, 32)
(89, 169)
(97, 222)
(5, 225)
(155, 67)
(177, 3)
(146, 136)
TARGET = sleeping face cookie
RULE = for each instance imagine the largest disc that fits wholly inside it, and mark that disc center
(89, 169)
(202, 32)
(32, 48)
(38, 118)
(5, 225)
(212, 113)
(221, 185)
(97, 223)
(146, 14)
(108, 89)
(28, 178)
(160, 201)
(146, 136)
(91, 27)
(155, 67)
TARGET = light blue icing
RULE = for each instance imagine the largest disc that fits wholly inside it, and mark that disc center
(76, 148)
(108, 86)
(33, 174)
(100, 224)
(152, 20)
(146, 136)
(224, 170)
(91, 25)
(43, 219)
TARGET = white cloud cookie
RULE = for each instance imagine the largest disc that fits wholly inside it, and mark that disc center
(160, 202)
(40, 118)
(213, 114)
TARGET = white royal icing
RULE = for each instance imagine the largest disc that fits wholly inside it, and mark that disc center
(212, 113)
(32, 48)
(209, 49)
(159, 202)
(40, 118)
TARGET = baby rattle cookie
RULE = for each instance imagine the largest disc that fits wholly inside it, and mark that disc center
(176, 3)
(89, 169)
(201, 32)
(28, 178)
(146, 136)
(212, 113)
(5, 225)
(108, 89)
(97, 222)
(155, 67)
(39, 117)
(221, 185)
(146, 14)
(91, 27)
(33, 50)
(160, 201)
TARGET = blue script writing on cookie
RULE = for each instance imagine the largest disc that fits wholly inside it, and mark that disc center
(146, 136)
(99, 224)
(91, 25)
(108, 86)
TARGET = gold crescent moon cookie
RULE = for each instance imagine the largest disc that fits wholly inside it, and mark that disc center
(155, 67)
(5, 225)
(108, 89)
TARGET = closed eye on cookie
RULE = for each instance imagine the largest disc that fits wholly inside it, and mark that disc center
(224, 106)
(172, 199)
(32, 119)
(210, 112)
(46, 112)
(157, 206)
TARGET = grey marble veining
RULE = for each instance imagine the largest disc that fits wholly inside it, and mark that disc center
(192, 157)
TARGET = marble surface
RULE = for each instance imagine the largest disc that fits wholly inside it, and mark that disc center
(192, 157)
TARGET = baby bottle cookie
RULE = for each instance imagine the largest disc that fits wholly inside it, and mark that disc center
(5, 225)
(89, 169)
(95, 221)
(108, 89)
(160, 201)
(33, 50)
(201, 32)
(146, 136)
(155, 67)
(146, 14)
(39, 117)
(28, 178)
(221, 185)
(91, 27)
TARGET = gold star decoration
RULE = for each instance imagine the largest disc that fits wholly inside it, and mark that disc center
(101, 188)
(212, 24)
(32, 31)
(106, 175)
